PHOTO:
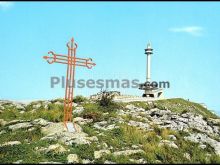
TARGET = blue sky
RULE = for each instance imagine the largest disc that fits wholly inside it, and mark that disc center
(184, 35)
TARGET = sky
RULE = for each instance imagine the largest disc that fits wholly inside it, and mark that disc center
(184, 36)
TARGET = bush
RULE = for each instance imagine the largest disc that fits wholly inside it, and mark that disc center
(106, 99)
(79, 99)
(95, 116)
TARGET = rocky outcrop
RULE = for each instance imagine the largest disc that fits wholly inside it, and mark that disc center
(203, 139)
(10, 143)
(56, 131)
(99, 154)
(128, 152)
(72, 158)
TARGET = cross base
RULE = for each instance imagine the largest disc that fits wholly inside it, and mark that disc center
(70, 127)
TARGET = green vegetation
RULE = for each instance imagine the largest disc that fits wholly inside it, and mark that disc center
(79, 99)
(178, 105)
(106, 99)
(53, 113)
(118, 139)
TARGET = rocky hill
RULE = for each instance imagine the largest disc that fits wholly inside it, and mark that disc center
(163, 131)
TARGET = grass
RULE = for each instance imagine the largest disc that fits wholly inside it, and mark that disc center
(54, 113)
(179, 105)
(119, 138)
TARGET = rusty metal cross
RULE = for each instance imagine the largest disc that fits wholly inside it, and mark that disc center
(72, 61)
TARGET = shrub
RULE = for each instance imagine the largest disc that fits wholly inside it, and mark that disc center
(79, 99)
(106, 99)
(95, 116)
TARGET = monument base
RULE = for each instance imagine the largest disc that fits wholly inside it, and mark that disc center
(153, 92)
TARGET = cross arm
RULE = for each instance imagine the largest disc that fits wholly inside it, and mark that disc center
(63, 59)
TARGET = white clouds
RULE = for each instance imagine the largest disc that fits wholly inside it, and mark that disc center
(193, 30)
(5, 4)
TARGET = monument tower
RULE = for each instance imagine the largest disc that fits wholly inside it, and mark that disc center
(149, 89)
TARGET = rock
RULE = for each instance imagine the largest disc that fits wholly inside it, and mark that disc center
(20, 126)
(103, 126)
(58, 103)
(109, 162)
(158, 161)
(82, 121)
(36, 106)
(41, 122)
(56, 148)
(139, 161)
(93, 139)
(12, 122)
(11, 143)
(41, 149)
(135, 146)
(130, 106)
(127, 152)
(18, 162)
(87, 161)
(2, 132)
(19, 106)
(203, 138)
(75, 104)
(2, 108)
(138, 124)
(211, 121)
(168, 143)
(172, 137)
(78, 110)
(50, 163)
(202, 146)
(72, 158)
(99, 154)
(105, 145)
(187, 156)
(56, 131)
(21, 112)
(159, 113)
(46, 106)
(3, 122)
(31, 129)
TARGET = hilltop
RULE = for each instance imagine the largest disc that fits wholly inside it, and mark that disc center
(162, 131)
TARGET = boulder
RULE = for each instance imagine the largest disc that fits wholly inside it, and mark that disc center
(78, 110)
(203, 138)
(99, 154)
(82, 121)
(56, 148)
(72, 158)
(41, 122)
(87, 161)
(3, 122)
(10, 143)
(172, 137)
(168, 143)
(139, 161)
(18, 162)
(127, 152)
(109, 162)
(20, 126)
(187, 156)
(138, 124)
(56, 131)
